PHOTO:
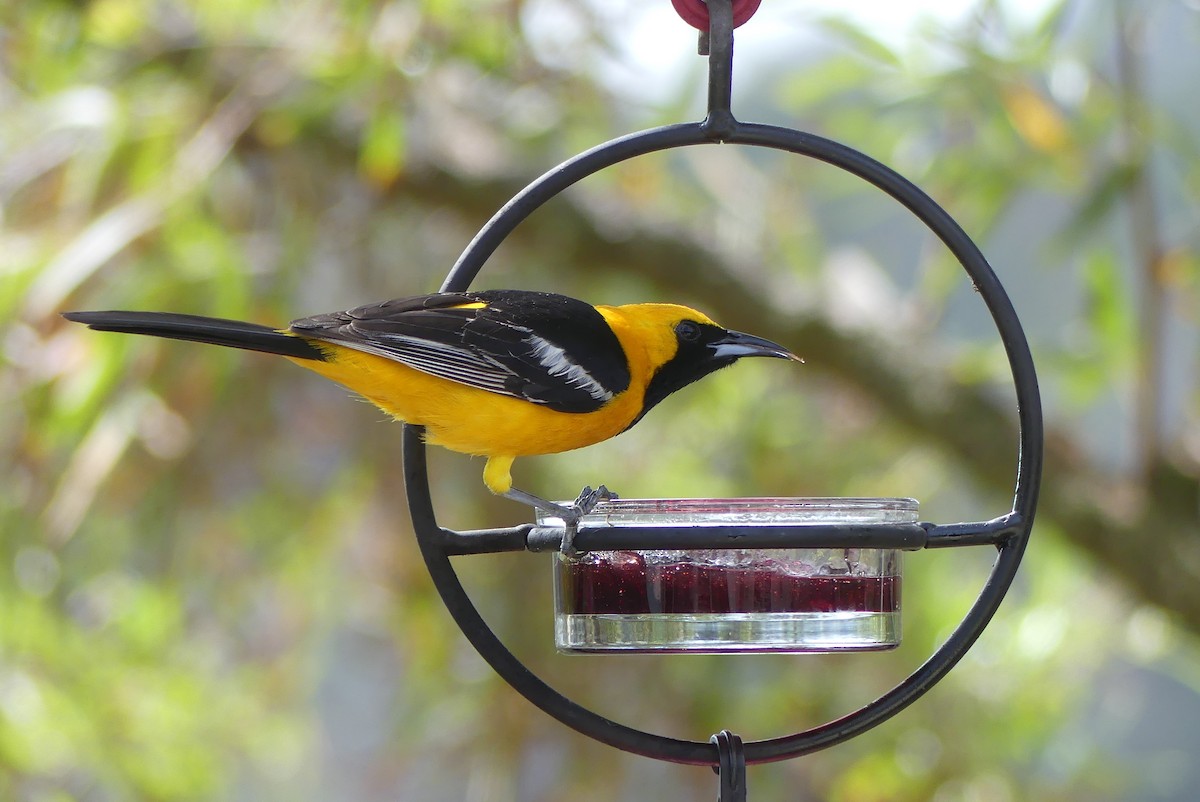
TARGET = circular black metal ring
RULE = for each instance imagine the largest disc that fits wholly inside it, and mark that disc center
(1029, 455)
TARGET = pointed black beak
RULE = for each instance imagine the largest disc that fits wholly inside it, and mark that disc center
(735, 345)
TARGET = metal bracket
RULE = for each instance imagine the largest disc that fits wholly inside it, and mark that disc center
(731, 767)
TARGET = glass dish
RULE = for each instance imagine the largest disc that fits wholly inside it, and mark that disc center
(731, 600)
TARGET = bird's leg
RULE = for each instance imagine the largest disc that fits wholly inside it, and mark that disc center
(537, 502)
(497, 475)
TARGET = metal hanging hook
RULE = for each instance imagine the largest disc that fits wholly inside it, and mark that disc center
(731, 767)
(720, 122)
(716, 19)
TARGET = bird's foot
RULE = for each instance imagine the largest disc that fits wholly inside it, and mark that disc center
(588, 499)
(585, 503)
(570, 515)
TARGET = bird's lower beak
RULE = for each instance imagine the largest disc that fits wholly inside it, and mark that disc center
(735, 345)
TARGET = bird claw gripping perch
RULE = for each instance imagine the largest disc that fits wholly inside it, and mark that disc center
(570, 515)
(585, 503)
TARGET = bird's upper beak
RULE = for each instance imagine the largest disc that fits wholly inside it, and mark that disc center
(735, 344)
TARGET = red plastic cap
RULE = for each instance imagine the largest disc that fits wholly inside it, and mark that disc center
(695, 12)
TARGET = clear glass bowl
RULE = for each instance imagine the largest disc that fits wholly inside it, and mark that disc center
(731, 600)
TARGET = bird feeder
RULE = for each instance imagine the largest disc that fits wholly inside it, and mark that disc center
(725, 575)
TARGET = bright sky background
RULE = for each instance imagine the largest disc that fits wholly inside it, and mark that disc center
(660, 46)
(889, 20)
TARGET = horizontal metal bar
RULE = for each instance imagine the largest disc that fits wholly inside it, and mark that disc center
(986, 533)
(486, 541)
(802, 536)
(908, 537)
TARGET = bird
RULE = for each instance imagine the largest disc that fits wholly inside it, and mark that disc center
(499, 373)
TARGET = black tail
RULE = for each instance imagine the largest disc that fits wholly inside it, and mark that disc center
(232, 333)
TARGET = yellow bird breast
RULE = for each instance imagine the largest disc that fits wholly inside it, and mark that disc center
(469, 420)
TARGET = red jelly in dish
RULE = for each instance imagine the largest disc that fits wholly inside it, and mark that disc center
(617, 582)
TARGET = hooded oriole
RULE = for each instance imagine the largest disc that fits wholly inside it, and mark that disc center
(499, 373)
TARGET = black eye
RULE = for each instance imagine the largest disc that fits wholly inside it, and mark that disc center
(688, 331)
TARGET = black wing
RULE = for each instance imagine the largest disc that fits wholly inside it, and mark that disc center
(544, 348)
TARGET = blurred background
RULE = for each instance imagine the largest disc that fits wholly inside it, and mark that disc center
(209, 588)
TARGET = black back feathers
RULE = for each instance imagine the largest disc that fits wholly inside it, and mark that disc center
(540, 347)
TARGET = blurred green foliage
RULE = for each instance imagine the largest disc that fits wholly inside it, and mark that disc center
(208, 585)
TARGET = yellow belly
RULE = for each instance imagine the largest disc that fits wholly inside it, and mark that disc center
(469, 420)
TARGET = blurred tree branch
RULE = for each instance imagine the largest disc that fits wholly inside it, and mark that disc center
(115, 229)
